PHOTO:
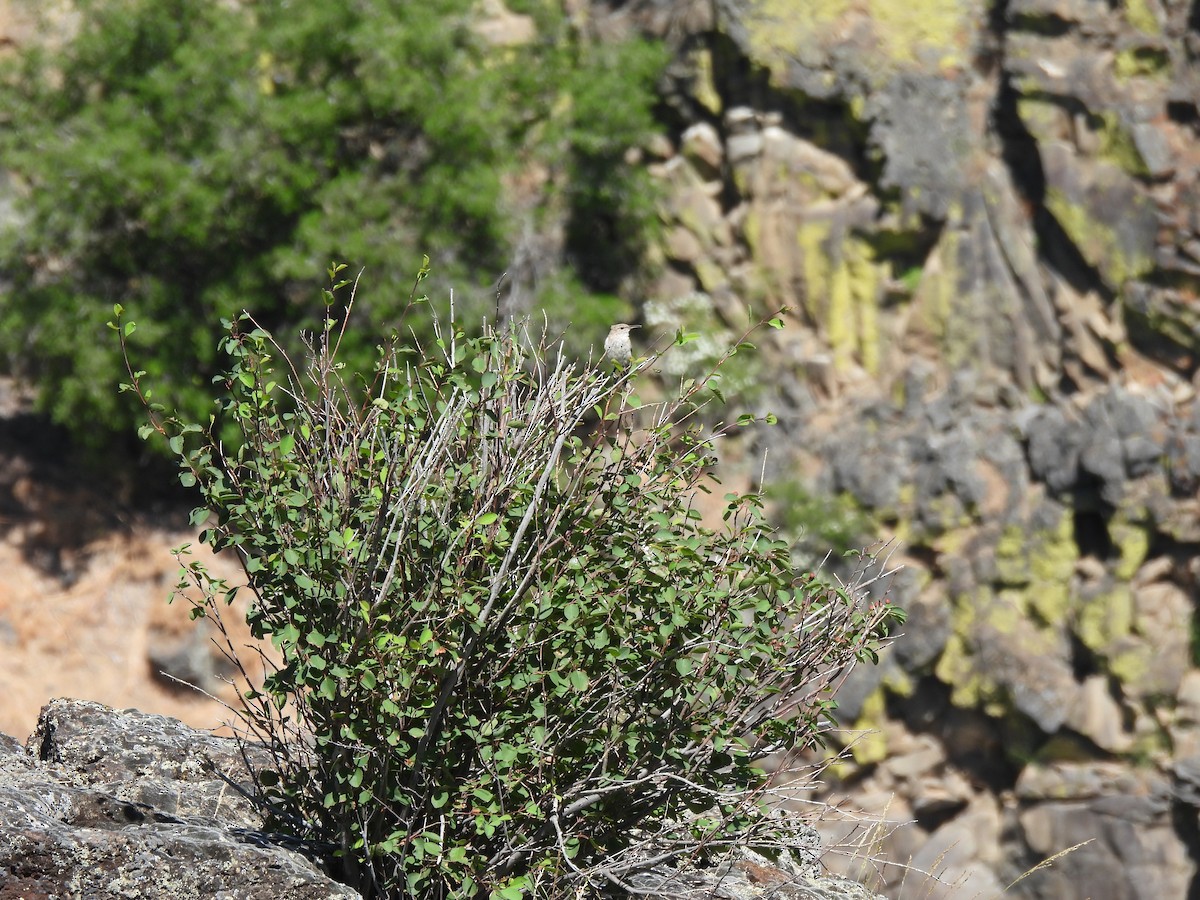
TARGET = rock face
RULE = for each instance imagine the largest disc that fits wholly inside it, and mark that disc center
(103, 803)
(984, 220)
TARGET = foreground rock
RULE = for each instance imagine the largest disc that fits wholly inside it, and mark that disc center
(108, 803)
(102, 803)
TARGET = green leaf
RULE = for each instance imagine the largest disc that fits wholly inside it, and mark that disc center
(328, 689)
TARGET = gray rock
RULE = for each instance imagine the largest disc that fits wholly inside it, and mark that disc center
(1054, 448)
(1186, 785)
(1129, 852)
(1142, 454)
(701, 145)
(122, 804)
(1183, 463)
(924, 635)
(919, 123)
(868, 470)
(1154, 149)
(1103, 458)
(750, 876)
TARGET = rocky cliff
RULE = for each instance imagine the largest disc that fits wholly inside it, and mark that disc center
(985, 222)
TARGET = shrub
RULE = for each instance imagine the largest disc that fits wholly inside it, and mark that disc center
(195, 158)
(511, 656)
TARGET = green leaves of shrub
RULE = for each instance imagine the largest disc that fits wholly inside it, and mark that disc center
(512, 657)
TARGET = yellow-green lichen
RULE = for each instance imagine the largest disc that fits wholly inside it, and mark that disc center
(842, 294)
(870, 746)
(1117, 145)
(1167, 318)
(779, 30)
(814, 256)
(1040, 564)
(1043, 119)
(906, 28)
(841, 768)
(803, 183)
(920, 31)
(1052, 564)
(767, 277)
(1005, 614)
(1141, 62)
(1139, 14)
(952, 543)
(1097, 241)
(710, 274)
(864, 281)
(839, 324)
(938, 290)
(900, 683)
(1132, 540)
(693, 220)
(1131, 664)
(741, 179)
(940, 313)
(956, 669)
(1104, 619)
(704, 88)
(752, 231)
(1012, 566)
(948, 513)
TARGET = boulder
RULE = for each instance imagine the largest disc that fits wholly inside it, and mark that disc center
(106, 803)
(1124, 822)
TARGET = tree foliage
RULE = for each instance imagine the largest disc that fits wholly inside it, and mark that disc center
(191, 159)
(513, 659)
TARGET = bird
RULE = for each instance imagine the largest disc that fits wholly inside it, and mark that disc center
(617, 346)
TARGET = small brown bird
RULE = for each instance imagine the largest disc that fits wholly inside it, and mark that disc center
(617, 346)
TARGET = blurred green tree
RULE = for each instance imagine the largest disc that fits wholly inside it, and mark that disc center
(192, 159)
